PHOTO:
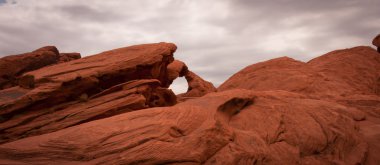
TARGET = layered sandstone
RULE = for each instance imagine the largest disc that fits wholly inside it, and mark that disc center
(116, 107)
(12, 67)
(231, 127)
(94, 87)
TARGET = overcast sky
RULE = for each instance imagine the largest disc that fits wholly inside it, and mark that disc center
(215, 38)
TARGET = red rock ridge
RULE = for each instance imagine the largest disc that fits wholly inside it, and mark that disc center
(116, 108)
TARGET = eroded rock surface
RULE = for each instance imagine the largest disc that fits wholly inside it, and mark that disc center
(231, 127)
(130, 96)
(115, 108)
(65, 57)
(350, 77)
(13, 66)
(197, 86)
(86, 89)
(176, 69)
(335, 74)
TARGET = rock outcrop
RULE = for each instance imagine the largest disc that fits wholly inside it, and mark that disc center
(376, 42)
(116, 107)
(335, 74)
(65, 57)
(86, 89)
(11, 67)
(350, 77)
(231, 127)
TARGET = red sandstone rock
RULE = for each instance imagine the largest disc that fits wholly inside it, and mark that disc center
(231, 127)
(133, 95)
(82, 90)
(335, 74)
(11, 67)
(376, 42)
(197, 86)
(15, 65)
(176, 69)
(65, 57)
(48, 48)
(278, 74)
(325, 111)
(350, 77)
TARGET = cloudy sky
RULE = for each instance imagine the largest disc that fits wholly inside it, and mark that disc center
(215, 38)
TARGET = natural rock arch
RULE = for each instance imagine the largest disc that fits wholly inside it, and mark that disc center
(197, 87)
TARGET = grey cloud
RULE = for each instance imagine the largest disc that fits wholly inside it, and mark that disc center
(87, 13)
(246, 15)
(27, 38)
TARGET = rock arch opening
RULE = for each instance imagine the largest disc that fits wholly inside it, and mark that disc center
(179, 85)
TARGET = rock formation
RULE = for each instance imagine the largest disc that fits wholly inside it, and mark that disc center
(336, 74)
(15, 65)
(176, 69)
(376, 42)
(86, 89)
(350, 77)
(197, 86)
(116, 107)
(11, 67)
(231, 127)
(65, 57)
